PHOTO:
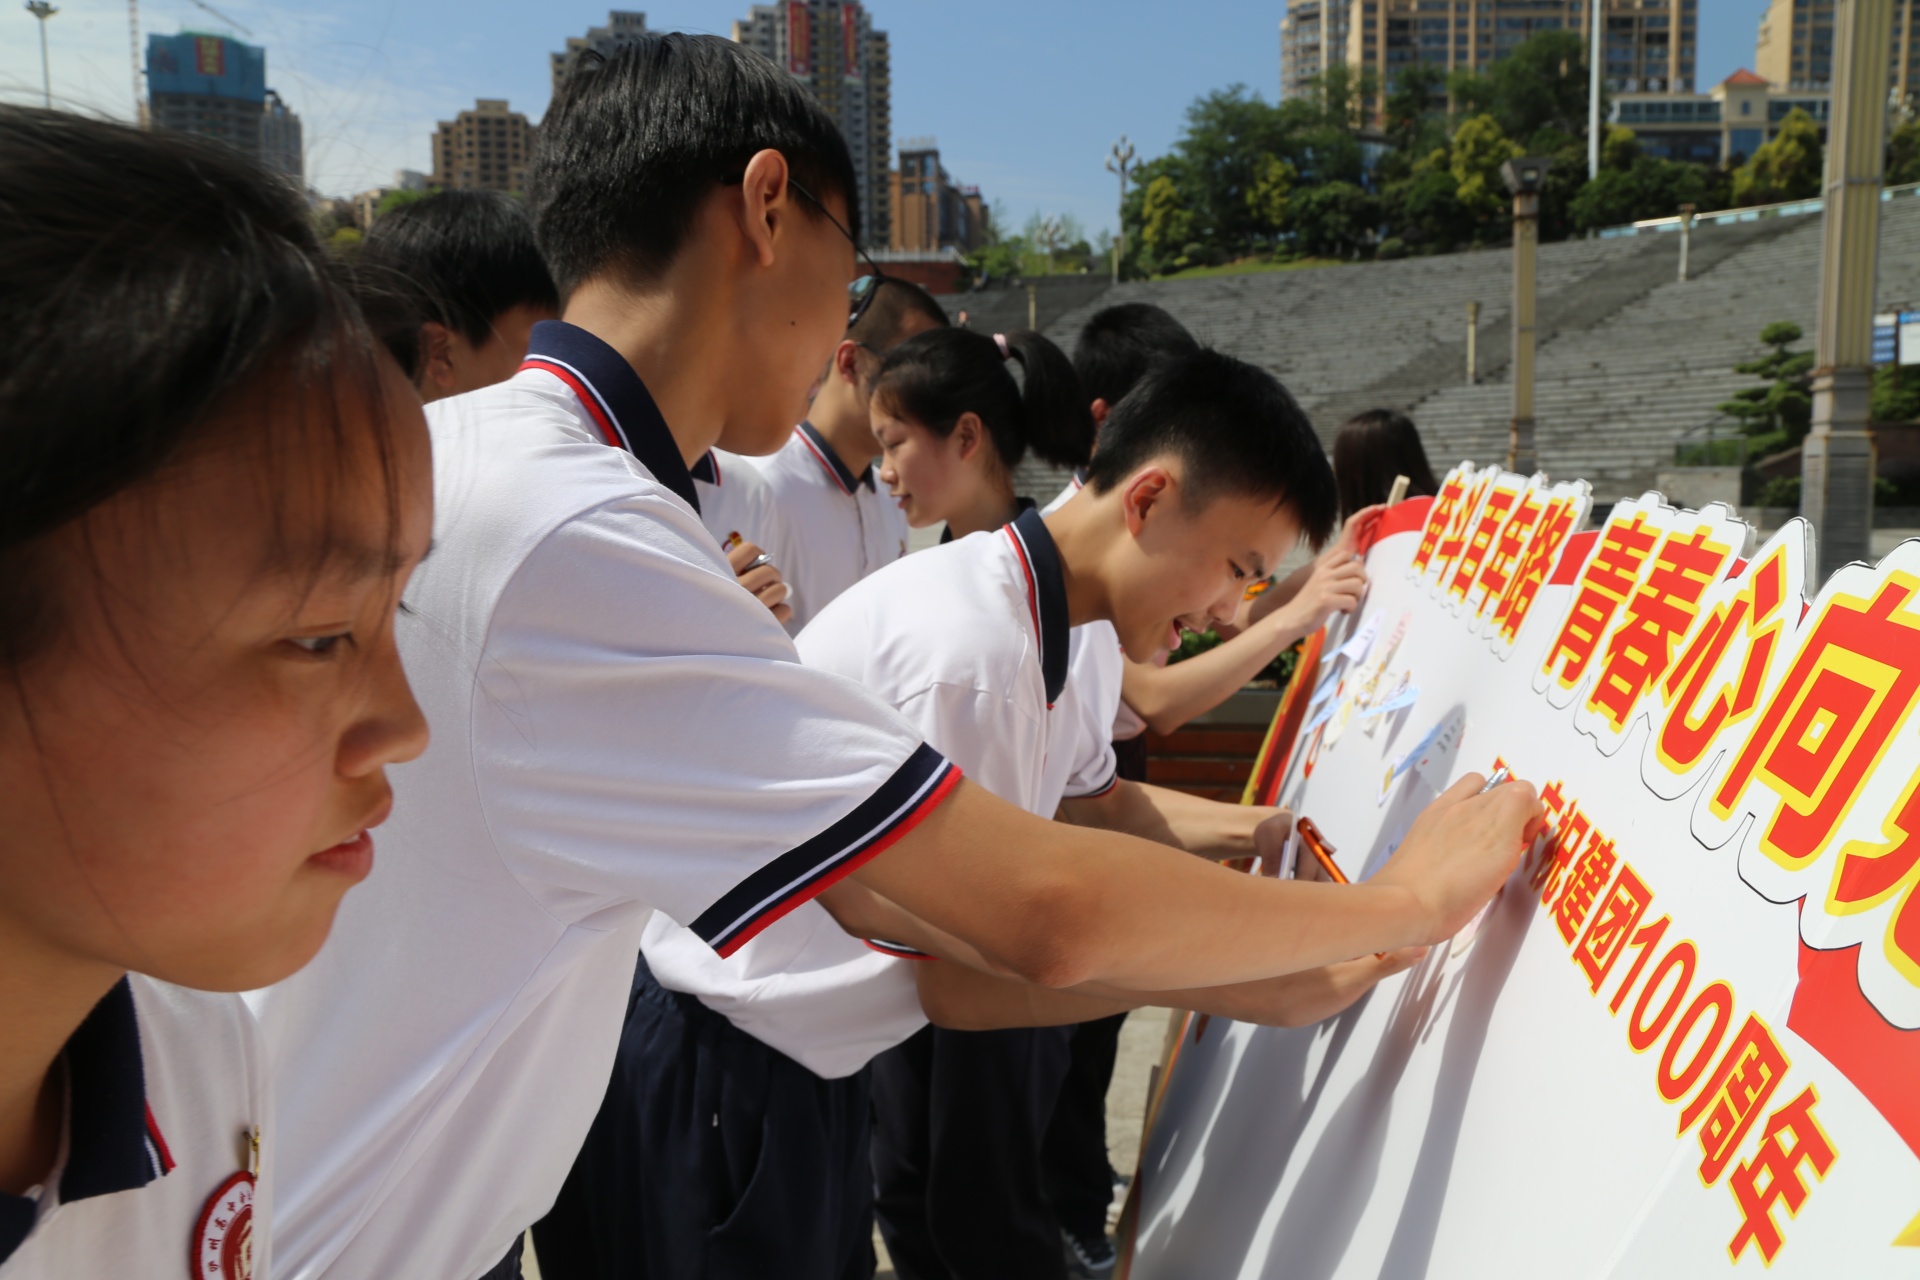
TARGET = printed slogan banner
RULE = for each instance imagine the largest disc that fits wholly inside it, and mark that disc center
(1685, 1038)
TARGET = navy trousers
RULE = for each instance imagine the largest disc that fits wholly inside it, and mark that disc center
(1074, 1163)
(959, 1117)
(1073, 1159)
(714, 1157)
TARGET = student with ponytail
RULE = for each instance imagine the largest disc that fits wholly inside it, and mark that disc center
(953, 422)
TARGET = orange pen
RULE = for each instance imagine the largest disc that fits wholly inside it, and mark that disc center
(1318, 846)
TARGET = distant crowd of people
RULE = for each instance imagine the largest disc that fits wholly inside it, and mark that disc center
(741, 881)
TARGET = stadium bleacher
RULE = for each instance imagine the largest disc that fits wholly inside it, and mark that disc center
(1629, 359)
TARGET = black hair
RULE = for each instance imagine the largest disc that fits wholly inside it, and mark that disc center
(640, 136)
(1235, 429)
(472, 252)
(147, 281)
(1120, 343)
(1372, 448)
(881, 326)
(934, 377)
(394, 304)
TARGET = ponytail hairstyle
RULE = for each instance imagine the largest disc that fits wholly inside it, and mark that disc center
(934, 377)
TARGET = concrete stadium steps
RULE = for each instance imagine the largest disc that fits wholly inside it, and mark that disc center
(1629, 359)
(1612, 401)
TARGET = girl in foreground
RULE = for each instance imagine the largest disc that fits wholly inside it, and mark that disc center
(214, 489)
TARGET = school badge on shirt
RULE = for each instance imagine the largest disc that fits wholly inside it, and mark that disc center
(223, 1238)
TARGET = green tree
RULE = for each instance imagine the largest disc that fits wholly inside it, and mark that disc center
(345, 241)
(1425, 210)
(1648, 188)
(1269, 195)
(1343, 94)
(1166, 222)
(1619, 147)
(1480, 147)
(1896, 394)
(395, 199)
(1778, 413)
(1216, 160)
(1415, 109)
(1541, 84)
(998, 260)
(1903, 153)
(1334, 219)
(998, 257)
(1788, 168)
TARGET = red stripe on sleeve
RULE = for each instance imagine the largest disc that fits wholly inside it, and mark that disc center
(814, 888)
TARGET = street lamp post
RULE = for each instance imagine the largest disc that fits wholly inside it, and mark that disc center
(42, 10)
(1117, 162)
(1837, 460)
(1595, 51)
(1524, 177)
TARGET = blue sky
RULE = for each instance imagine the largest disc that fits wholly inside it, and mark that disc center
(1025, 98)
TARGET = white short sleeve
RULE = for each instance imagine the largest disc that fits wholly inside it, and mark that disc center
(665, 743)
(1094, 667)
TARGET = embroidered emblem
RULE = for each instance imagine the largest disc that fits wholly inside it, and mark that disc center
(223, 1240)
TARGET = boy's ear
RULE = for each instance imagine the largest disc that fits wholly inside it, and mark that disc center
(436, 376)
(846, 362)
(1100, 411)
(1148, 488)
(765, 200)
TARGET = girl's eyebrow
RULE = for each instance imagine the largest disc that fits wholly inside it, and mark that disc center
(346, 559)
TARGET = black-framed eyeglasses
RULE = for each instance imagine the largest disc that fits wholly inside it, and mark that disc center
(861, 293)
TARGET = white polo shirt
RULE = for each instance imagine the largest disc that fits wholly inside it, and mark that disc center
(1108, 658)
(617, 728)
(736, 503)
(969, 640)
(840, 527)
(156, 1177)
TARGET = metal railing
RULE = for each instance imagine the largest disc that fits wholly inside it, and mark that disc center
(1753, 213)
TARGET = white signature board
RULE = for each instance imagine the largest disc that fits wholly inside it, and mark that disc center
(1685, 1040)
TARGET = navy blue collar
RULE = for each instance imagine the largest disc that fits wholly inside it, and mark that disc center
(706, 468)
(113, 1143)
(847, 481)
(1020, 507)
(615, 398)
(1046, 595)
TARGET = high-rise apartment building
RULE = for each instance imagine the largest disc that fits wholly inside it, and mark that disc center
(216, 86)
(1313, 37)
(1649, 44)
(931, 212)
(623, 26)
(832, 47)
(485, 149)
(281, 145)
(1795, 48)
